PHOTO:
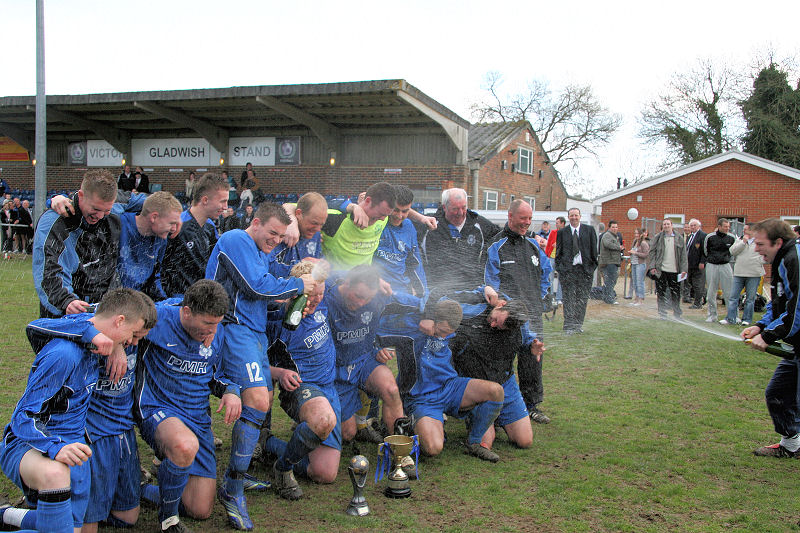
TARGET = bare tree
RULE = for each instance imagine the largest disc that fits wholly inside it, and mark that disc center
(697, 114)
(571, 124)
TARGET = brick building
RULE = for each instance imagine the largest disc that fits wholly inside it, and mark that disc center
(507, 161)
(347, 136)
(733, 185)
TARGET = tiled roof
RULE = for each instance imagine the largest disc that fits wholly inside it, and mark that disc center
(487, 139)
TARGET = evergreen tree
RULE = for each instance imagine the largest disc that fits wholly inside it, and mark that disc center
(772, 112)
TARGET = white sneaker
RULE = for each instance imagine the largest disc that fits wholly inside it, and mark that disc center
(711, 319)
(744, 323)
(724, 322)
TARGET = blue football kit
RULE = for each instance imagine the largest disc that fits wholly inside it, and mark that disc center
(286, 257)
(140, 259)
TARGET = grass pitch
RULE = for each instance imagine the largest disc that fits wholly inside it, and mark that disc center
(653, 428)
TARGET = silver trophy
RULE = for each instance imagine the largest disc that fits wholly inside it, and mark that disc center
(359, 465)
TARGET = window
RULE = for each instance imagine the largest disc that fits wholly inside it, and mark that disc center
(525, 161)
(532, 201)
(504, 165)
(503, 199)
(793, 220)
(527, 136)
(490, 200)
(677, 220)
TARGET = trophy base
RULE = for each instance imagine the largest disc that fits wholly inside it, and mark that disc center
(390, 492)
(357, 510)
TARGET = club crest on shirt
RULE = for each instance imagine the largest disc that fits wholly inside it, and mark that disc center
(779, 288)
(366, 317)
(401, 246)
(319, 316)
(205, 351)
(190, 245)
(535, 260)
(311, 248)
(471, 240)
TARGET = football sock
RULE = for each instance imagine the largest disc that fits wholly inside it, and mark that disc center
(151, 494)
(275, 446)
(21, 518)
(54, 511)
(791, 443)
(244, 438)
(302, 442)
(171, 482)
(483, 416)
(361, 414)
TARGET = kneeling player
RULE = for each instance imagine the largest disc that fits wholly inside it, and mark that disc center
(43, 449)
(179, 362)
(484, 347)
(305, 368)
(439, 389)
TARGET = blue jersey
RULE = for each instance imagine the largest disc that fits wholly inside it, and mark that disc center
(176, 371)
(285, 257)
(398, 258)
(244, 270)
(111, 404)
(354, 331)
(140, 258)
(309, 349)
(434, 365)
(52, 410)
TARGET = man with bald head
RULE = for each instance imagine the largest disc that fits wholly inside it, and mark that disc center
(518, 267)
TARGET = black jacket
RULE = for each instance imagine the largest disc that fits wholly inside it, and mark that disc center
(587, 243)
(514, 267)
(187, 254)
(456, 262)
(144, 184)
(695, 252)
(780, 321)
(717, 248)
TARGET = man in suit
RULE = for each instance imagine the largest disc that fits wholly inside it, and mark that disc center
(576, 261)
(141, 182)
(694, 286)
(125, 179)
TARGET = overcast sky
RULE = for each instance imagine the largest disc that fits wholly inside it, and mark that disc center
(625, 50)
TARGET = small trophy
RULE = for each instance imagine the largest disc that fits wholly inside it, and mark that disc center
(358, 476)
(400, 447)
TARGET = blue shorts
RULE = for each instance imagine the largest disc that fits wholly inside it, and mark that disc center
(115, 476)
(205, 462)
(446, 400)
(291, 402)
(11, 451)
(244, 357)
(349, 379)
(513, 405)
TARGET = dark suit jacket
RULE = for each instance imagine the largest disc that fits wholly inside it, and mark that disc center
(694, 254)
(144, 184)
(587, 242)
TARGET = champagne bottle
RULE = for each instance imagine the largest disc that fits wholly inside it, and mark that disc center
(294, 314)
(778, 349)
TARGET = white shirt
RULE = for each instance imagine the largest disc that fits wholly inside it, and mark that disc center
(577, 260)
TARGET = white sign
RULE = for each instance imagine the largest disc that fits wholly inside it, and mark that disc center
(102, 154)
(257, 150)
(168, 152)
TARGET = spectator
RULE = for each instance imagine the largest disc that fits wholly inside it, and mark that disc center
(797, 230)
(228, 220)
(24, 218)
(248, 168)
(454, 254)
(666, 259)
(545, 230)
(747, 272)
(695, 283)
(247, 219)
(3, 186)
(719, 273)
(640, 248)
(189, 186)
(247, 198)
(550, 250)
(576, 261)
(609, 257)
(125, 179)
(233, 196)
(7, 219)
(141, 182)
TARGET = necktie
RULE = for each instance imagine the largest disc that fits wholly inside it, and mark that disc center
(575, 247)
(689, 242)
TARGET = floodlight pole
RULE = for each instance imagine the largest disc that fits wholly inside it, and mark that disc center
(40, 170)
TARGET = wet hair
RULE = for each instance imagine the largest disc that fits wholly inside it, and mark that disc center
(101, 184)
(403, 195)
(150, 316)
(366, 274)
(126, 302)
(382, 192)
(268, 210)
(517, 313)
(306, 267)
(208, 184)
(448, 311)
(774, 229)
(309, 200)
(161, 202)
(206, 297)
